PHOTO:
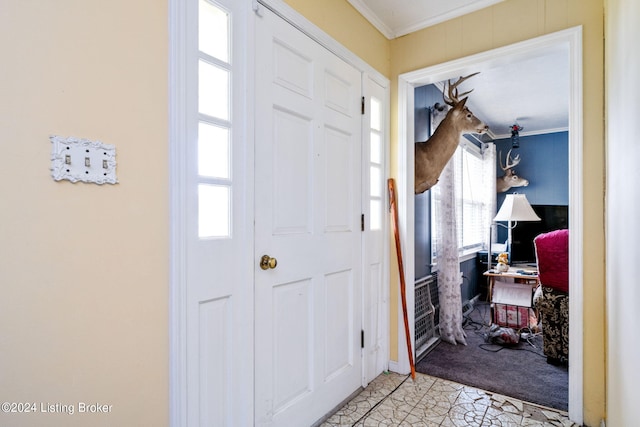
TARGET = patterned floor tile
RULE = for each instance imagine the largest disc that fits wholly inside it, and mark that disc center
(397, 400)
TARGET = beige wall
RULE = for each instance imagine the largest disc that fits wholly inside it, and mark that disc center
(505, 23)
(83, 267)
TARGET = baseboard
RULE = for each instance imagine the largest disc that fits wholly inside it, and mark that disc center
(394, 366)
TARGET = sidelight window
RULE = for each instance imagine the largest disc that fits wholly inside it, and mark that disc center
(214, 148)
(376, 178)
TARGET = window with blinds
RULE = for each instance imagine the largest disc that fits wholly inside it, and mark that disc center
(472, 199)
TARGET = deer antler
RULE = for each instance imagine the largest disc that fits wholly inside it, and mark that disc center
(509, 162)
(454, 96)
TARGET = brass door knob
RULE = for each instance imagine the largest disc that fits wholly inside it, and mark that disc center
(266, 262)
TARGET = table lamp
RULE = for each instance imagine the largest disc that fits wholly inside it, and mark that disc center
(515, 208)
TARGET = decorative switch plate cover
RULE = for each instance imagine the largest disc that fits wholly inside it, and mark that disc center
(83, 160)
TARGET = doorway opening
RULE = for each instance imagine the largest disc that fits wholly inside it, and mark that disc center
(572, 40)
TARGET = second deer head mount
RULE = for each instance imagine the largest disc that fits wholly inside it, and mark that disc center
(432, 155)
(509, 179)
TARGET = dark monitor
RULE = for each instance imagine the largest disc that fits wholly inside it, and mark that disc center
(553, 217)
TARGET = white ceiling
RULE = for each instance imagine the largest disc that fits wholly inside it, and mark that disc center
(532, 89)
(395, 18)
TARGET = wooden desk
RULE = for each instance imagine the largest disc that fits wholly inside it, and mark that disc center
(526, 275)
(522, 275)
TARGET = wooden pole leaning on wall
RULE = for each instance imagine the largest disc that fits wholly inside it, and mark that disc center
(403, 292)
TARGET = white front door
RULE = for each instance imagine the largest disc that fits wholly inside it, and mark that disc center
(308, 308)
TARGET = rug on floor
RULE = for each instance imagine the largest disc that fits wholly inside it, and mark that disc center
(519, 370)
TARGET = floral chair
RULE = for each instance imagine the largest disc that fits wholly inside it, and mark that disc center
(552, 297)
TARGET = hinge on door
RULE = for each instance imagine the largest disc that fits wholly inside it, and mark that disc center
(362, 338)
(362, 222)
(362, 106)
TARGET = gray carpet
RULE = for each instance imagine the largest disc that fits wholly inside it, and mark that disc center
(519, 371)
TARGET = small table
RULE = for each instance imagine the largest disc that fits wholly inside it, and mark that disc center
(520, 274)
(525, 275)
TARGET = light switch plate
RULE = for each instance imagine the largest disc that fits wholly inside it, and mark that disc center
(83, 160)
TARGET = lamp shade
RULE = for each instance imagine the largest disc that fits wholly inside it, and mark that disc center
(516, 207)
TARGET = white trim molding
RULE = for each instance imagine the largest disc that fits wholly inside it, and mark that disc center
(177, 247)
(404, 28)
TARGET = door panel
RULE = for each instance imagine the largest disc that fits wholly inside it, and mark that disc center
(338, 351)
(307, 215)
(338, 212)
(291, 157)
(214, 347)
(292, 327)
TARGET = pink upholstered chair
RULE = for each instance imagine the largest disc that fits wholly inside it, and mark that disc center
(552, 299)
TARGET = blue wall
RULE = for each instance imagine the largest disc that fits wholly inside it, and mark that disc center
(424, 97)
(544, 162)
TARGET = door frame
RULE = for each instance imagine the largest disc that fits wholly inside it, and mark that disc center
(407, 82)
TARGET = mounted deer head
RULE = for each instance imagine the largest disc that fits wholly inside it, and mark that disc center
(509, 179)
(432, 155)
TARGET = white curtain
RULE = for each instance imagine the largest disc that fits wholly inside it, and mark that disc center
(449, 275)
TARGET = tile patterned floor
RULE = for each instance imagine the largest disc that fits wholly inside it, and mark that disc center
(397, 400)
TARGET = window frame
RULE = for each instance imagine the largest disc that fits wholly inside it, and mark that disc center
(465, 148)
